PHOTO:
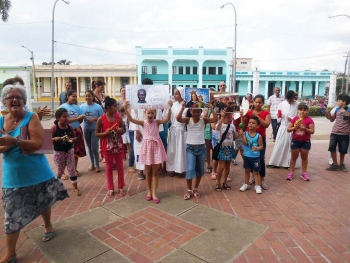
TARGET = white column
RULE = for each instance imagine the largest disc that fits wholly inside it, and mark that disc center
(256, 85)
(249, 90)
(170, 72)
(266, 95)
(300, 89)
(200, 74)
(283, 88)
(109, 86)
(316, 88)
(332, 89)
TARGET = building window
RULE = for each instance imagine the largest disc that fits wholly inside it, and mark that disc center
(243, 64)
(188, 70)
(204, 71)
(204, 86)
(212, 70)
(174, 69)
(187, 86)
(194, 86)
(220, 70)
(144, 69)
(194, 70)
(154, 70)
(181, 70)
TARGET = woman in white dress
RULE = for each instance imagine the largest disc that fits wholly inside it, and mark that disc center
(280, 156)
(176, 151)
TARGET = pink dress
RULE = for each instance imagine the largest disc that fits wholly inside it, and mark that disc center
(152, 150)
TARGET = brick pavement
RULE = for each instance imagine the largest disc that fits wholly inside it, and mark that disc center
(308, 221)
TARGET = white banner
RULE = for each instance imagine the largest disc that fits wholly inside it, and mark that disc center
(143, 97)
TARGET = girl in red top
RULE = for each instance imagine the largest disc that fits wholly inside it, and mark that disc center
(265, 120)
(110, 128)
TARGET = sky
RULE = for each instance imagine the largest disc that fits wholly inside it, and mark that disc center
(277, 34)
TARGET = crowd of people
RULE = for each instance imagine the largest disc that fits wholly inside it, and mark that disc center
(178, 141)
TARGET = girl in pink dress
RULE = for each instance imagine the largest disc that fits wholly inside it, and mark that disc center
(152, 152)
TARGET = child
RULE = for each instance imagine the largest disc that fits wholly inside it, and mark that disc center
(238, 142)
(125, 136)
(302, 127)
(152, 152)
(340, 132)
(253, 144)
(195, 147)
(63, 137)
(110, 128)
(227, 151)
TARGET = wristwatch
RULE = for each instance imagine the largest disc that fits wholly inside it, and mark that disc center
(18, 141)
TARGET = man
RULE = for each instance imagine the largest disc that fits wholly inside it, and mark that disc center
(63, 95)
(272, 105)
(222, 87)
(141, 95)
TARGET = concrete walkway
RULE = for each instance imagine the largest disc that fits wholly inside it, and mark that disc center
(293, 221)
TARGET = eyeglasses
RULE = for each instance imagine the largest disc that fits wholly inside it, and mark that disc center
(14, 98)
(222, 85)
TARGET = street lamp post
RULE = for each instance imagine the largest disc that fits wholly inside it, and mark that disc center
(348, 59)
(233, 77)
(53, 56)
(35, 88)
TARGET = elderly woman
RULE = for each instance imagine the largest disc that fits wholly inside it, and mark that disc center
(29, 185)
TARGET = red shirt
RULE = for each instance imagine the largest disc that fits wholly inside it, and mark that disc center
(261, 130)
(113, 143)
(302, 136)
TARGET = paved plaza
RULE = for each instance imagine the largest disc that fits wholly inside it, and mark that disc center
(293, 221)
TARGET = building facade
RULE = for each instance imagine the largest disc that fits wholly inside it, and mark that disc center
(205, 68)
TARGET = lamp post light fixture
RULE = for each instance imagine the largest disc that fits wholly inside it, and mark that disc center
(348, 59)
(35, 88)
(53, 57)
(234, 64)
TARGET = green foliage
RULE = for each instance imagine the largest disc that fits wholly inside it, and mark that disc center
(5, 6)
(316, 111)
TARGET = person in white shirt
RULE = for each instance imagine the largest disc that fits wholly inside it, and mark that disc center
(272, 105)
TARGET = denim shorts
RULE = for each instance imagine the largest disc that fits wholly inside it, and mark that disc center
(195, 158)
(341, 140)
(296, 145)
(252, 163)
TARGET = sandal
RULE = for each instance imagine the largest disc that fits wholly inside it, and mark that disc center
(195, 193)
(228, 179)
(213, 176)
(77, 192)
(188, 195)
(226, 186)
(91, 168)
(122, 193)
(110, 193)
(47, 236)
(209, 170)
(98, 169)
(64, 177)
(218, 188)
(251, 181)
(264, 185)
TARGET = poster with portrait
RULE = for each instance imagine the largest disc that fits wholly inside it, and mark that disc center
(143, 97)
(196, 98)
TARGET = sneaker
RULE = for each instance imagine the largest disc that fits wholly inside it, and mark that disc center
(342, 168)
(141, 176)
(234, 162)
(333, 167)
(330, 160)
(244, 187)
(290, 176)
(305, 176)
(258, 189)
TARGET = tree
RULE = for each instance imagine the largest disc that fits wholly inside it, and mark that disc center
(5, 6)
(64, 62)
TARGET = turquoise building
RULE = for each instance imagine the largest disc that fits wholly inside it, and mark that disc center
(206, 68)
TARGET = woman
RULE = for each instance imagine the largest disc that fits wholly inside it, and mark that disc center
(176, 150)
(265, 120)
(250, 99)
(98, 88)
(75, 118)
(92, 112)
(24, 176)
(280, 156)
(194, 100)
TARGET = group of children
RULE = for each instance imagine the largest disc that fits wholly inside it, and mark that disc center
(110, 126)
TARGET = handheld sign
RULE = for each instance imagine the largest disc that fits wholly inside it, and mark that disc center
(245, 106)
(143, 97)
(196, 98)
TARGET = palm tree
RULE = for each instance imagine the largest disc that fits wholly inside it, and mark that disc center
(5, 6)
(64, 62)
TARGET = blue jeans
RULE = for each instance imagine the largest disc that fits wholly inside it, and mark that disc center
(195, 158)
(262, 159)
(131, 153)
(92, 144)
(275, 127)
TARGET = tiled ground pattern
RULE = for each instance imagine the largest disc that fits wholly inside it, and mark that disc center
(148, 235)
(309, 221)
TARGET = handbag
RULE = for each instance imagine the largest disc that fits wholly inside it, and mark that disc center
(216, 150)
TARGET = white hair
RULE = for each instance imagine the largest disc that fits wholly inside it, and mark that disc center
(6, 90)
